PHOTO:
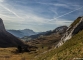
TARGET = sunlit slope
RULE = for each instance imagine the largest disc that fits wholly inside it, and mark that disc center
(71, 49)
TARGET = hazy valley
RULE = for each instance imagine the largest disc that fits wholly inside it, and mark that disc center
(41, 29)
(50, 45)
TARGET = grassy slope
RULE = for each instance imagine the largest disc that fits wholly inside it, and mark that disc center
(73, 48)
(75, 22)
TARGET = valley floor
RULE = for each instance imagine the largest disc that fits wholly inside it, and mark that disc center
(9, 54)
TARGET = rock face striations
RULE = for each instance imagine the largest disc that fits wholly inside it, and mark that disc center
(74, 28)
(7, 39)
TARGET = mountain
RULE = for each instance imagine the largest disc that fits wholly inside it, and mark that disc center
(22, 33)
(48, 40)
(70, 47)
(60, 30)
(7, 39)
(73, 29)
(36, 36)
(16, 33)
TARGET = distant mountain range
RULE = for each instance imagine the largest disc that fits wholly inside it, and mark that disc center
(22, 33)
(60, 30)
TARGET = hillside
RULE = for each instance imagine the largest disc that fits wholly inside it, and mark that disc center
(72, 49)
(7, 39)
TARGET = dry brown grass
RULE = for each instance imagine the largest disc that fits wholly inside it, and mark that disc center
(8, 54)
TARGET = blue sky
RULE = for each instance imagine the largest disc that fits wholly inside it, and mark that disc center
(39, 15)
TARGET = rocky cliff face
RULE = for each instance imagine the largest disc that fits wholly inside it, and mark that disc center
(2, 28)
(7, 39)
(74, 28)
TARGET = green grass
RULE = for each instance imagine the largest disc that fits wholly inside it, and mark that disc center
(73, 48)
(75, 22)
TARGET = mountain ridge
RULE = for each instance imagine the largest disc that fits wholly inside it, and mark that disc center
(7, 39)
(60, 30)
(73, 29)
(22, 33)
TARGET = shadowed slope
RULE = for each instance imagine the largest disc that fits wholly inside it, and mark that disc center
(7, 39)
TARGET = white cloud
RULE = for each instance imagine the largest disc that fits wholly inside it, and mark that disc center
(67, 13)
(27, 18)
(55, 4)
(18, 15)
(1, 0)
(9, 10)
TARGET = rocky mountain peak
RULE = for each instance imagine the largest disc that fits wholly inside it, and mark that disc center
(60, 29)
(2, 28)
(7, 39)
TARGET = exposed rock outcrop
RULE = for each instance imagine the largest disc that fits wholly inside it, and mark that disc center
(74, 28)
(2, 28)
(7, 39)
